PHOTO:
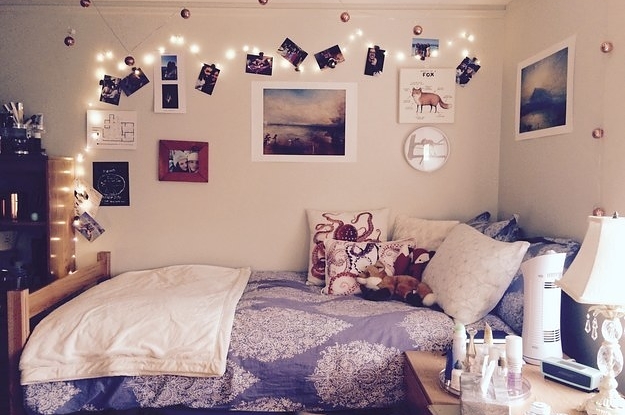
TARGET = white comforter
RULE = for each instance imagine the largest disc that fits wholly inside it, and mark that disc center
(172, 320)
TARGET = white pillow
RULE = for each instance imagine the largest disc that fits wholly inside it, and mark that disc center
(427, 233)
(471, 271)
(354, 226)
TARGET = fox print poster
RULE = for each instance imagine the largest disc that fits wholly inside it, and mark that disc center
(427, 95)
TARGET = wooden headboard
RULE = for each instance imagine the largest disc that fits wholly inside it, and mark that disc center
(23, 306)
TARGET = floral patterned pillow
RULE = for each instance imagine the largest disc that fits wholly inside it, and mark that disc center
(355, 226)
(345, 260)
(504, 230)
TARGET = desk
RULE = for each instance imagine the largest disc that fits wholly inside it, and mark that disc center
(421, 374)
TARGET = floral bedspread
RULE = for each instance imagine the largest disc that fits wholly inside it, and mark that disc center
(292, 348)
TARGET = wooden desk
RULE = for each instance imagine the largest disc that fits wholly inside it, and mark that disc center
(421, 373)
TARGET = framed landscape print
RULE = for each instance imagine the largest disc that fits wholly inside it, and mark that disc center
(304, 121)
(544, 98)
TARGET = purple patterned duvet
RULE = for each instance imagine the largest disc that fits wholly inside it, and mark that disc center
(292, 349)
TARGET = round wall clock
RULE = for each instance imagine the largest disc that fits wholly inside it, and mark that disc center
(426, 149)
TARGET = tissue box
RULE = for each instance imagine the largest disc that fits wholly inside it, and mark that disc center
(472, 402)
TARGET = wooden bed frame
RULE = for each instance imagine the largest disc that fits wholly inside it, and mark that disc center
(23, 306)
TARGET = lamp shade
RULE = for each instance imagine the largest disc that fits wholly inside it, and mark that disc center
(597, 274)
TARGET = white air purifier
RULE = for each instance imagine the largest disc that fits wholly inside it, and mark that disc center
(541, 307)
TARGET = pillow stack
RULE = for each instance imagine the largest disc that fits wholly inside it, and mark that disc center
(473, 265)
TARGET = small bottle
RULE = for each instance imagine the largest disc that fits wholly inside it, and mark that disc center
(455, 375)
(471, 356)
(459, 344)
(514, 357)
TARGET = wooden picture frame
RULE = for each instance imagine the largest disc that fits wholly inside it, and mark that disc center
(171, 153)
(544, 95)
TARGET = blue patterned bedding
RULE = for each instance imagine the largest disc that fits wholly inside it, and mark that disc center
(292, 349)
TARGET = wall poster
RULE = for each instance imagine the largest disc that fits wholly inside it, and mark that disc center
(304, 121)
(427, 95)
(544, 102)
(113, 130)
(111, 179)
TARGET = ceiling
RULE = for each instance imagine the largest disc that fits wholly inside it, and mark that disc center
(380, 4)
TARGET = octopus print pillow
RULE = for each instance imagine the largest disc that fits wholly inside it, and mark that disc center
(355, 226)
(346, 260)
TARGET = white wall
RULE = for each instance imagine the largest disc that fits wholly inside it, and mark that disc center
(254, 213)
(555, 182)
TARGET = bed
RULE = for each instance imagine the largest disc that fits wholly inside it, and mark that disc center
(290, 348)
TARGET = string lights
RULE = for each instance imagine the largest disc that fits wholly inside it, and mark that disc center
(149, 58)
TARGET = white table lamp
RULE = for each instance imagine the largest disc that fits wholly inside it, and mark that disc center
(597, 276)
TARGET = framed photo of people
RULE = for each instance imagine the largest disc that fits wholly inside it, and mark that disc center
(183, 161)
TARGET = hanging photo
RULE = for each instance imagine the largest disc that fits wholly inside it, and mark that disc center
(465, 71)
(424, 48)
(207, 79)
(291, 52)
(259, 64)
(110, 89)
(374, 64)
(134, 81)
(88, 227)
(330, 57)
(169, 67)
(86, 199)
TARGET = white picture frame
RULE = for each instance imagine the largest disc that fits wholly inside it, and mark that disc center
(544, 94)
(169, 84)
(304, 121)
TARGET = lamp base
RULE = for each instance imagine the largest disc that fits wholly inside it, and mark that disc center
(610, 362)
(608, 403)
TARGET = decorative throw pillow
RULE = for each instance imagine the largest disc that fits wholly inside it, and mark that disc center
(505, 230)
(345, 260)
(428, 234)
(356, 226)
(471, 271)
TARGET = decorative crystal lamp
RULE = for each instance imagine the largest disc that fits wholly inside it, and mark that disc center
(597, 276)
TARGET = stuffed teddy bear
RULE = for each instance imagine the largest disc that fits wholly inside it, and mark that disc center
(377, 285)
